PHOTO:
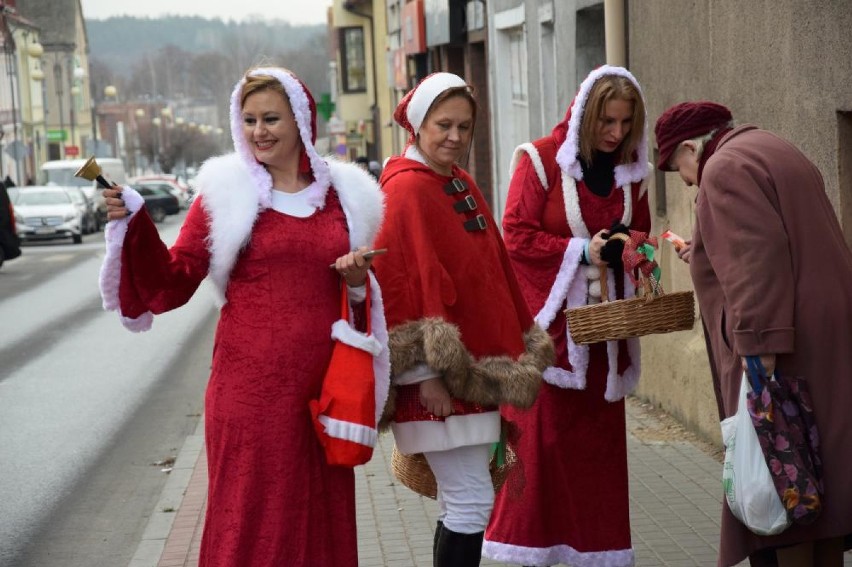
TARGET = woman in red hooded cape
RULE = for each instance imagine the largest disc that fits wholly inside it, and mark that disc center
(570, 505)
(456, 317)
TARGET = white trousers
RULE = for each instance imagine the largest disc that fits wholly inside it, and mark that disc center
(465, 492)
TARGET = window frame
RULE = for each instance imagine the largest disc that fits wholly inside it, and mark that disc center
(345, 72)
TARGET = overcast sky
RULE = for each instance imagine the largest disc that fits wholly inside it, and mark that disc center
(294, 11)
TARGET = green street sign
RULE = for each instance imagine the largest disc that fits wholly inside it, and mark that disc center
(57, 135)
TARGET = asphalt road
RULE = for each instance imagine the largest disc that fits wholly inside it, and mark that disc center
(87, 407)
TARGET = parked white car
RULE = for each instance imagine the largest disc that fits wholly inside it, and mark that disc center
(61, 172)
(44, 213)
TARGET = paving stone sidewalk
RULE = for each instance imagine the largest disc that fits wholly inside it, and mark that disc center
(674, 504)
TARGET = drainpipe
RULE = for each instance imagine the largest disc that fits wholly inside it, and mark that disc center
(616, 32)
(349, 6)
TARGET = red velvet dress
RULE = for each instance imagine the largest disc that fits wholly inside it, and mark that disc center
(273, 500)
(572, 506)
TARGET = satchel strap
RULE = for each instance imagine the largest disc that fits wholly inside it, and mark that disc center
(344, 302)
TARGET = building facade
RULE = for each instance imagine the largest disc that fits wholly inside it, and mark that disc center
(65, 65)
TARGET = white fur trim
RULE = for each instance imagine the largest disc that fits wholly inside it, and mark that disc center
(361, 198)
(575, 215)
(381, 363)
(109, 278)
(348, 431)
(343, 332)
(425, 94)
(559, 290)
(571, 290)
(535, 158)
(619, 385)
(562, 378)
(566, 156)
(300, 105)
(567, 289)
(232, 208)
(133, 201)
(557, 554)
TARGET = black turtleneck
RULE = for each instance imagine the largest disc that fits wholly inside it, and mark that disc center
(600, 176)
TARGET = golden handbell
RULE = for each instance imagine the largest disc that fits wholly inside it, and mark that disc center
(92, 171)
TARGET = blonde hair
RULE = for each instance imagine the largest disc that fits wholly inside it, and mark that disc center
(257, 83)
(605, 89)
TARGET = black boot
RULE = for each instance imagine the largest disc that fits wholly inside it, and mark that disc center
(458, 550)
(438, 529)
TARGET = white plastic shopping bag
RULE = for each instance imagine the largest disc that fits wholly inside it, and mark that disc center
(748, 486)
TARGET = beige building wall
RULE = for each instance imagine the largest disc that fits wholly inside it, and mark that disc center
(785, 65)
(355, 107)
(385, 97)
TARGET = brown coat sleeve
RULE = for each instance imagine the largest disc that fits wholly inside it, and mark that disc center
(748, 249)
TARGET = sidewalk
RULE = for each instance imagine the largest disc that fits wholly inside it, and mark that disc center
(675, 504)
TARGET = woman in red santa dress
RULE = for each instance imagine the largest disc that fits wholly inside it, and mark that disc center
(462, 340)
(567, 192)
(269, 220)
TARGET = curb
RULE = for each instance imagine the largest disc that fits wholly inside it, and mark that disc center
(162, 519)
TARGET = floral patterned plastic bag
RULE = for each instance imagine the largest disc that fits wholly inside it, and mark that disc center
(783, 417)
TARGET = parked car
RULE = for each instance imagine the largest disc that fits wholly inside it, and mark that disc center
(47, 212)
(180, 190)
(159, 202)
(9, 244)
(61, 172)
(86, 206)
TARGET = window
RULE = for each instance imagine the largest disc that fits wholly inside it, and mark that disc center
(353, 62)
(518, 54)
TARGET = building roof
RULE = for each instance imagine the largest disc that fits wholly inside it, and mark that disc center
(57, 20)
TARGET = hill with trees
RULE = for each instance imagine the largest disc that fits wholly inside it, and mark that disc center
(176, 57)
(194, 62)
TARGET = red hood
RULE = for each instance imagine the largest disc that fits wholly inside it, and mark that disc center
(566, 134)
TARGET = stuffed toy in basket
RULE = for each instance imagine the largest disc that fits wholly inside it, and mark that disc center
(654, 312)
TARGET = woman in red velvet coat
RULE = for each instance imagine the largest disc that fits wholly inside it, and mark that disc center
(567, 191)
(462, 340)
(268, 221)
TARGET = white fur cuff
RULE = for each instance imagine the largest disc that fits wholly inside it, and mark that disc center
(110, 275)
(132, 199)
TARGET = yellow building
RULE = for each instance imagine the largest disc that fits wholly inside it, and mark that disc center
(361, 91)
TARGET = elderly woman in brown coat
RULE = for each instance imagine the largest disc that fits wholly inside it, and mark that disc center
(773, 277)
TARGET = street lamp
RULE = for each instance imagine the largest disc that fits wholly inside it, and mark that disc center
(156, 121)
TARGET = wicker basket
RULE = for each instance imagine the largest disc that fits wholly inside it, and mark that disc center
(656, 312)
(413, 471)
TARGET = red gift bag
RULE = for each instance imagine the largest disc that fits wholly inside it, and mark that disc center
(345, 415)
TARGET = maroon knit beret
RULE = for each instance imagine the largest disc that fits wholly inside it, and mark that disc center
(685, 121)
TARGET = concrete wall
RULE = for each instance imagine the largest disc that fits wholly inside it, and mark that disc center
(557, 52)
(784, 65)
